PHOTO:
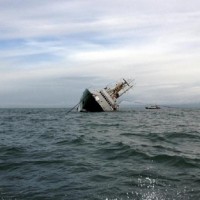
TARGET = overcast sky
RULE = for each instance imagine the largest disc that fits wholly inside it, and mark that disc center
(50, 51)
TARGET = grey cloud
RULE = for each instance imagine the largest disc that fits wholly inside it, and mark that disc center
(157, 42)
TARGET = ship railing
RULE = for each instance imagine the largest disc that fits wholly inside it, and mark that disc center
(107, 100)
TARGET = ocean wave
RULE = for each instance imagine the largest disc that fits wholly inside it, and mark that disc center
(138, 155)
(177, 161)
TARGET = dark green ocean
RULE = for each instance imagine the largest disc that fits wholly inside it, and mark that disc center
(130, 154)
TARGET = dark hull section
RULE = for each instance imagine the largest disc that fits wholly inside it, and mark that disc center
(89, 104)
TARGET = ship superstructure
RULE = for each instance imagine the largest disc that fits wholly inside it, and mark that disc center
(104, 99)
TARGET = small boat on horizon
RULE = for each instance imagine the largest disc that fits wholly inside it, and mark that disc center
(103, 100)
(152, 107)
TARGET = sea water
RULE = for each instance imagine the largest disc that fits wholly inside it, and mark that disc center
(130, 154)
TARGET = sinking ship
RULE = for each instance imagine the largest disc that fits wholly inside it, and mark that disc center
(105, 99)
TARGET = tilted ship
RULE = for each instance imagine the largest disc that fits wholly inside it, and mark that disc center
(105, 99)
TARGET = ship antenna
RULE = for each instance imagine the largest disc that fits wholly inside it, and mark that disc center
(126, 82)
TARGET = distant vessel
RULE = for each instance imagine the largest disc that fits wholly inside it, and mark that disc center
(104, 99)
(152, 107)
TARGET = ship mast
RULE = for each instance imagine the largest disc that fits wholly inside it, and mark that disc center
(121, 86)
